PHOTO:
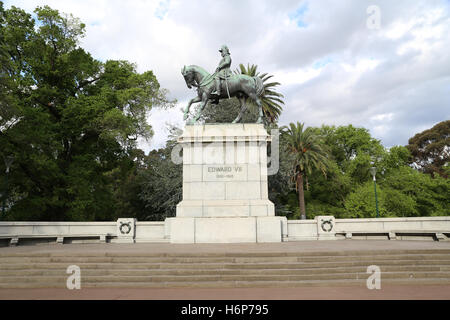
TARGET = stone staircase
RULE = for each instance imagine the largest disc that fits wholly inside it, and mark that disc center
(214, 269)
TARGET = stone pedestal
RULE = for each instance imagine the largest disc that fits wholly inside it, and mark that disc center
(225, 191)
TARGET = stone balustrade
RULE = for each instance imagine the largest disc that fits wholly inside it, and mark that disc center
(329, 228)
(129, 230)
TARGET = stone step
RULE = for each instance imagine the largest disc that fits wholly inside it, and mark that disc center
(18, 282)
(225, 254)
(229, 284)
(200, 278)
(378, 257)
(235, 269)
(265, 284)
(301, 266)
(91, 259)
(197, 266)
(116, 259)
(199, 272)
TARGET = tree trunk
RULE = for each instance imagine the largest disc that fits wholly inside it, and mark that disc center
(301, 196)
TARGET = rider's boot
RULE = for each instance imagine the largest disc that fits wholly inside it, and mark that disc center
(217, 91)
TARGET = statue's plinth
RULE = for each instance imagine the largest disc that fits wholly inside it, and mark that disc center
(225, 193)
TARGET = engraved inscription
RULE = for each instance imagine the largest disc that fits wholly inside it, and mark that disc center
(224, 173)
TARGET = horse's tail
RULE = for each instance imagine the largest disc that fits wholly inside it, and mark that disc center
(259, 86)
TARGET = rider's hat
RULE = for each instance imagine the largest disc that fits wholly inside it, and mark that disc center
(224, 47)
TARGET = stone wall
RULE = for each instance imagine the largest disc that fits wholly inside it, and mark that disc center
(321, 228)
(329, 228)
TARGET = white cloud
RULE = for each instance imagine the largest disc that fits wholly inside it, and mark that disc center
(296, 76)
(382, 117)
(360, 66)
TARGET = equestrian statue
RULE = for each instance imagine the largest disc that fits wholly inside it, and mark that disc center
(222, 84)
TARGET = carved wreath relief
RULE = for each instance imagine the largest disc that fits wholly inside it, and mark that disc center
(327, 225)
(125, 227)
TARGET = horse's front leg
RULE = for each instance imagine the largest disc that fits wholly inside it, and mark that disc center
(202, 106)
(186, 111)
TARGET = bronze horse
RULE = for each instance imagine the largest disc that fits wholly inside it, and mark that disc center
(239, 85)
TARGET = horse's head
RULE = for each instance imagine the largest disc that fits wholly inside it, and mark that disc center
(188, 77)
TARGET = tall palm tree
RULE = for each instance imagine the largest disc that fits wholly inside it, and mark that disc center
(270, 99)
(308, 154)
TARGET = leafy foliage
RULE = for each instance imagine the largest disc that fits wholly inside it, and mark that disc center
(361, 202)
(430, 149)
(71, 121)
(347, 143)
(270, 99)
(429, 196)
(161, 186)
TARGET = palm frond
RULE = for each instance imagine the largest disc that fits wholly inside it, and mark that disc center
(270, 99)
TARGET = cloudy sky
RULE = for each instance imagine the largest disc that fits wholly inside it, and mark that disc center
(342, 62)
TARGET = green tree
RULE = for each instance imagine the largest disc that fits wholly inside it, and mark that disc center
(431, 196)
(348, 142)
(403, 192)
(309, 154)
(391, 202)
(353, 151)
(161, 184)
(9, 112)
(327, 195)
(74, 135)
(395, 158)
(361, 202)
(280, 184)
(271, 100)
(430, 149)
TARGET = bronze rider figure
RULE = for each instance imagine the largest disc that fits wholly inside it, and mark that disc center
(223, 70)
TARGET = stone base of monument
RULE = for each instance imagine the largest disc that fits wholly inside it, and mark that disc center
(225, 208)
(225, 191)
(227, 230)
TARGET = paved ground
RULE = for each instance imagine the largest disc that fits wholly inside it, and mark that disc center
(299, 246)
(410, 292)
